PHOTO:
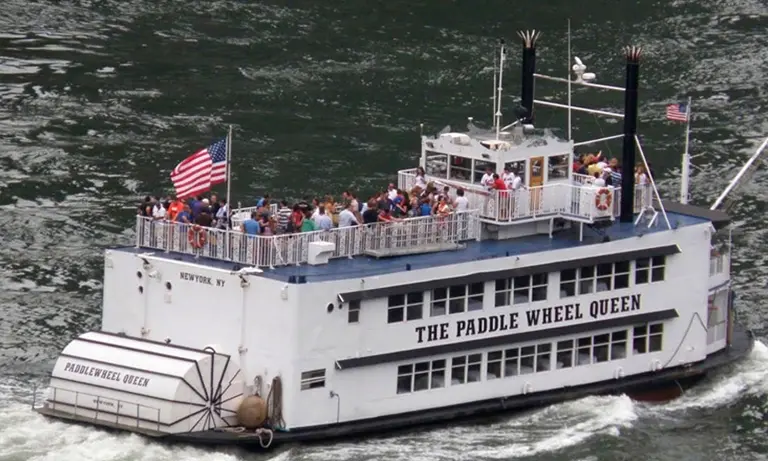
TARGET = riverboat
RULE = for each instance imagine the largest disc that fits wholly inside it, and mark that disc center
(554, 290)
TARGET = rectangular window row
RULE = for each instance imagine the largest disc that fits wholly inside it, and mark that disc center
(516, 361)
(451, 300)
(610, 276)
(521, 290)
(524, 289)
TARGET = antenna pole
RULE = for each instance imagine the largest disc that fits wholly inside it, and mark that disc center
(498, 98)
(493, 109)
(228, 247)
(685, 175)
(568, 70)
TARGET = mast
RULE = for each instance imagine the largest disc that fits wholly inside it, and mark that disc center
(568, 73)
(493, 109)
(685, 175)
(498, 98)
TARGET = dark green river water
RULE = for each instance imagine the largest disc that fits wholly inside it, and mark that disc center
(100, 99)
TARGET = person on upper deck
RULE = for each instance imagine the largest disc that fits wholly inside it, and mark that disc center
(348, 217)
(321, 220)
(461, 203)
(307, 225)
(487, 179)
(420, 181)
(251, 225)
(371, 214)
(599, 181)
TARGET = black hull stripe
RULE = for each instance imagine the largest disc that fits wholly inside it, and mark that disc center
(505, 340)
(508, 273)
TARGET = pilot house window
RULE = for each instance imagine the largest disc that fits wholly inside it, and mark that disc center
(460, 168)
(407, 306)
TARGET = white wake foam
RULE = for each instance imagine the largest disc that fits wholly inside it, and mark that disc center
(749, 377)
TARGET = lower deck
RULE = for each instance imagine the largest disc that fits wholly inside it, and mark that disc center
(656, 385)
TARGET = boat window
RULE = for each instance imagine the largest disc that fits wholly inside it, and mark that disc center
(353, 312)
(649, 269)
(457, 299)
(312, 379)
(493, 367)
(558, 167)
(521, 290)
(564, 354)
(466, 369)
(518, 168)
(586, 280)
(404, 307)
(421, 376)
(437, 165)
(568, 283)
(543, 352)
(619, 345)
(461, 168)
(601, 346)
(647, 338)
(480, 166)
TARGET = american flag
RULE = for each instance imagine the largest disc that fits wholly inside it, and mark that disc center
(201, 171)
(677, 112)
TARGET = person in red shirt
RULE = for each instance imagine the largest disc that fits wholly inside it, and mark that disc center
(176, 207)
(504, 204)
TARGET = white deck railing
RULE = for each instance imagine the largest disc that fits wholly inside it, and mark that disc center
(288, 249)
(577, 200)
(643, 194)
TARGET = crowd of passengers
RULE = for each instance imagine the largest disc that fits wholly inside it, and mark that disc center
(423, 199)
(604, 172)
(391, 205)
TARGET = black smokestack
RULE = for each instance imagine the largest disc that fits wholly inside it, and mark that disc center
(632, 53)
(529, 68)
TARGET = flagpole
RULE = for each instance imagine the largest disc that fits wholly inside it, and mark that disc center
(229, 190)
(686, 168)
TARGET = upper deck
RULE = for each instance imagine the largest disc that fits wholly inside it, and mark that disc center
(284, 257)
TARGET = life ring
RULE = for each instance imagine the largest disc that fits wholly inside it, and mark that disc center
(196, 236)
(601, 204)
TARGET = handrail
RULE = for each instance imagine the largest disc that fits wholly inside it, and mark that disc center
(98, 399)
(286, 249)
(747, 171)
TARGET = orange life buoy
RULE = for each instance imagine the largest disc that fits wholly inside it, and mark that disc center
(196, 236)
(601, 204)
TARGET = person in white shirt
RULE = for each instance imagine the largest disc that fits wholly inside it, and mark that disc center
(158, 211)
(599, 181)
(347, 216)
(487, 179)
(391, 192)
(517, 183)
(508, 177)
(420, 180)
(461, 203)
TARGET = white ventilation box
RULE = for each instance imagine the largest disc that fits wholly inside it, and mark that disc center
(146, 385)
(320, 252)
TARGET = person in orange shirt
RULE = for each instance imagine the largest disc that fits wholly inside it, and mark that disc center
(175, 208)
